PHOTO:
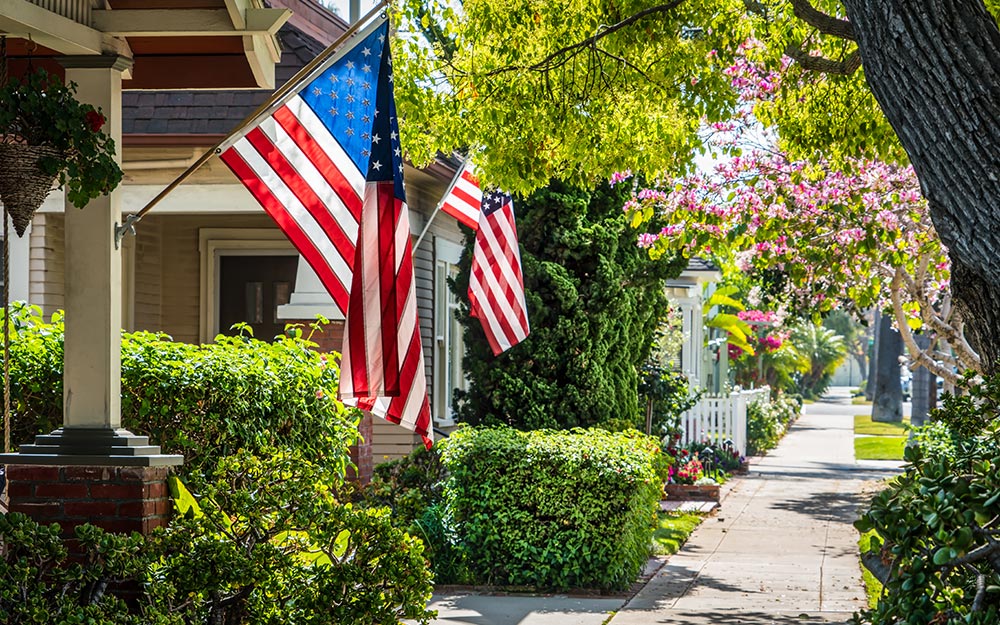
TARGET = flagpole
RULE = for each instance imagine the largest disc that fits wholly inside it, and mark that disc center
(129, 223)
(437, 209)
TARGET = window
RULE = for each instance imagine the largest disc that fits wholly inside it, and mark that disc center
(448, 344)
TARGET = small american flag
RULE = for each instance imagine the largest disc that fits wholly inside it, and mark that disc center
(326, 164)
(496, 285)
(464, 198)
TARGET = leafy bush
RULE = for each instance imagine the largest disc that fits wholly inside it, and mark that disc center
(767, 422)
(40, 582)
(595, 301)
(203, 401)
(271, 544)
(551, 509)
(937, 524)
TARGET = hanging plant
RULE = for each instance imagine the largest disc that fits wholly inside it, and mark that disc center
(47, 136)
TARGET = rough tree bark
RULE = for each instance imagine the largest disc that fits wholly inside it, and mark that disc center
(934, 67)
(887, 405)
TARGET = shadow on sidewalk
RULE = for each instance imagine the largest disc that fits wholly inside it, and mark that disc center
(835, 507)
(737, 617)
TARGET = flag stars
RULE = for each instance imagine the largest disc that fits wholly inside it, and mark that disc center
(333, 95)
(350, 98)
(350, 115)
(366, 51)
(349, 131)
(365, 136)
(334, 112)
(381, 38)
(366, 68)
(350, 82)
(365, 153)
(334, 79)
(366, 119)
(375, 138)
(317, 91)
(377, 166)
(350, 65)
(366, 102)
(366, 85)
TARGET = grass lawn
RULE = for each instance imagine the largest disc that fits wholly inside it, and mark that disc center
(873, 587)
(879, 447)
(863, 424)
(860, 401)
(672, 530)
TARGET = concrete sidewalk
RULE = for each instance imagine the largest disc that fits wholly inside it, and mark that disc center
(782, 549)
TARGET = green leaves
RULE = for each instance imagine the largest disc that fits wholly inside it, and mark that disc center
(551, 509)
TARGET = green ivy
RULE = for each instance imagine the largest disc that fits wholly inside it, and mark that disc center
(551, 509)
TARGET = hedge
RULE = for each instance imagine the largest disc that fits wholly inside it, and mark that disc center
(203, 401)
(551, 509)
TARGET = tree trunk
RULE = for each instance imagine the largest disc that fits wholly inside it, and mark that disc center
(934, 68)
(872, 378)
(887, 406)
(920, 391)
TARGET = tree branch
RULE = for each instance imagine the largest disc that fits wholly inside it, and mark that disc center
(826, 24)
(552, 60)
(845, 67)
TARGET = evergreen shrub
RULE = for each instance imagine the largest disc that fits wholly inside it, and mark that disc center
(552, 509)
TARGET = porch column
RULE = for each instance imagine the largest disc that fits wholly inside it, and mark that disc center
(93, 287)
(91, 432)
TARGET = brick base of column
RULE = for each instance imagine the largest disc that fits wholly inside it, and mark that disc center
(118, 499)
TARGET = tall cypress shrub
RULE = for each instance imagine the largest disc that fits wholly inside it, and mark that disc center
(594, 302)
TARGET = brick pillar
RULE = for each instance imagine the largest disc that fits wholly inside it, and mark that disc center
(117, 499)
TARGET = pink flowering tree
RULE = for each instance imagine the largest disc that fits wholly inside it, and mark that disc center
(817, 236)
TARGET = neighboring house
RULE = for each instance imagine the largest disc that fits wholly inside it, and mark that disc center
(208, 256)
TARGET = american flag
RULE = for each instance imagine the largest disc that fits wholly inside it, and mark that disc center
(325, 163)
(496, 285)
(464, 198)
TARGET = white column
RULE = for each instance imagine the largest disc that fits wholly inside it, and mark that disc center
(20, 257)
(92, 369)
(309, 299)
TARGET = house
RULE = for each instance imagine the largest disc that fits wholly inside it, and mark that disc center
(208, 256)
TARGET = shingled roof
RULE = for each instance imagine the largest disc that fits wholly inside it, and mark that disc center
(211, 112)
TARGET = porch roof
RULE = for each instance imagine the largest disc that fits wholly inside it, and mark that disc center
(232, 43)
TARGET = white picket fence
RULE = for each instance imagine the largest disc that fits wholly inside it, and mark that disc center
(720, 418)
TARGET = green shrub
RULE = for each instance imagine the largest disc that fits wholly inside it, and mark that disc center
(41, 583)
(935, 547)
(595, 300)
(203, 401)
(551, 509)
(767, 422)
(273, 545)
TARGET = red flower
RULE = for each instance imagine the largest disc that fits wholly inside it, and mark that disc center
(95, 121)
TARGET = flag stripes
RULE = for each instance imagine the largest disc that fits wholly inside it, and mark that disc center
(465, 198)
(496, 284)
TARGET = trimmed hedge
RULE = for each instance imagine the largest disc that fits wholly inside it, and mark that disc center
(552, 509)
(203, 401)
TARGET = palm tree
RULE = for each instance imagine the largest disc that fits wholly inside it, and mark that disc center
(821, 351)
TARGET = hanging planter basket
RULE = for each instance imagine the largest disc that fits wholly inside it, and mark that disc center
(23, 184)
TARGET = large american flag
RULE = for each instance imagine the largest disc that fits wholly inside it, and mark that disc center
(496, 284)
(325, 163)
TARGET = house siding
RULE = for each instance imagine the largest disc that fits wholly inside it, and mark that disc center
(147, 287)
(47, 263)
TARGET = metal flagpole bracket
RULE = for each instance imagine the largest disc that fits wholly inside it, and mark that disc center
(128, 227)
